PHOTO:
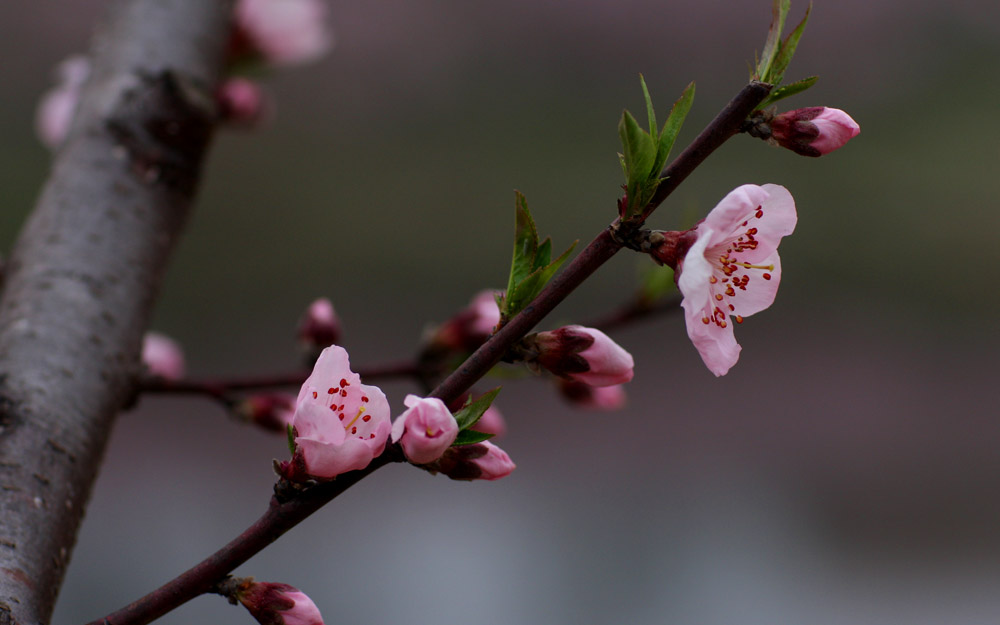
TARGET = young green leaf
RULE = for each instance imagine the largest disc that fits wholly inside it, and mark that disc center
(650, 113)
(784, 91)
(467, 416)
(290, 431)
(525, 244)
(779, 11)
(640, 152)
(671, 127)
(531, 286)
(470, 437)
(787, 50)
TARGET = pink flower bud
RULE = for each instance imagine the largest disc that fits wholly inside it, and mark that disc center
(340, 424)
(583, 354)
(588, 397)
(283, 32)
(470, 328)
(492, 422)
(57, 107)
(482, 461)
(813, 131)
(320, 327)
(162, 356)
(426, 430)
(278, 604)
(271, 411)
(241, 102)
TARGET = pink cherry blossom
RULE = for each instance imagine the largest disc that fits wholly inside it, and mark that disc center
(813, 131)
(278, 604)
(57, 107)
(340, 424)
(426, 430)
(606, 398)
(162, 356)
(732, 269)
(481, 461)
(585, 355)
(283, 32)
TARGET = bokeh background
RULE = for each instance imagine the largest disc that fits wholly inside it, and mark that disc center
(846, 471)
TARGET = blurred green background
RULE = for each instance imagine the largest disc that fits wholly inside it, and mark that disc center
(845, 471)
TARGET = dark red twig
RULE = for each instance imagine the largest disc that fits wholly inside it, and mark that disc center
(280, 517)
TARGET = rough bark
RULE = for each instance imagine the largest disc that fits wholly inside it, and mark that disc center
(84, 273)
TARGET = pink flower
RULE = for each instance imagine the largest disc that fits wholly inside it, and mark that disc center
(492, 422)
(583, 354)
(732, 268)
(813, 131)
(271, 411)
(426, 430)
(241, 102)
(57, 107)
(278, 604)
(481, 461)
(607, 398)
(320, 326)
(283, 32)
(162, 356)
(340, 424)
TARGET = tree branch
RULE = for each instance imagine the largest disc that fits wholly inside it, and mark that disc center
(84, 273)
(280, 517)
(601, 249)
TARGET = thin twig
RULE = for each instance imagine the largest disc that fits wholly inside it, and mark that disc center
(280, 517)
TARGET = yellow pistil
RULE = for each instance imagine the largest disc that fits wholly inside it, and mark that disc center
(361, 409)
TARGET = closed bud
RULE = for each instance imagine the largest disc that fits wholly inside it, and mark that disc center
(242, 103)
(162, 356)
(605, 398)
(271, 411)
(813, 131)
(272, 603)
(319, 328)
(481, 461)
(582, 354)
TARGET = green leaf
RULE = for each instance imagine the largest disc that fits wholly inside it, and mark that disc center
(650, 113)
(544, 254)
(787, 90)
(290, 431)
(639, 149)
(787, 50)
(779, 11)
(531, 286)
(473, 410)
(657, 281)
(470, 437)
(671, 127)
(525, 245)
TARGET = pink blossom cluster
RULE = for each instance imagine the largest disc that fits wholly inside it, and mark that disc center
(341, 425)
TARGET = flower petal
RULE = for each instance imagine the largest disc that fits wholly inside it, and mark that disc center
(717, 345)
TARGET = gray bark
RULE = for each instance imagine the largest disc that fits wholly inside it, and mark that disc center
(84, 273)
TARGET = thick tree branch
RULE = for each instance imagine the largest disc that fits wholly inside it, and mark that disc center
(84, 273)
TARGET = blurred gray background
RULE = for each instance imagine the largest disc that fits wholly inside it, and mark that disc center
(846, 471)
